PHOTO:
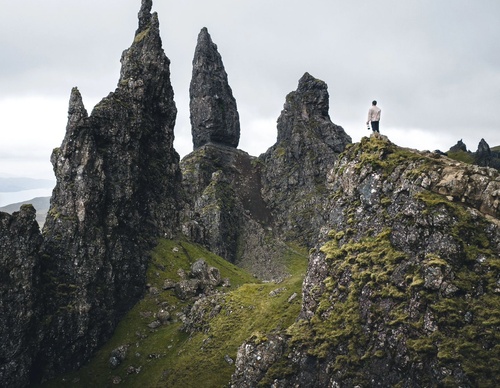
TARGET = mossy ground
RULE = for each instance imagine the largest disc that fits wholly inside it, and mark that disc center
(168, 357)
(466, 334)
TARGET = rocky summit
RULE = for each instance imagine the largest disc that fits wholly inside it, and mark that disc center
(319, 263)
(402, 288)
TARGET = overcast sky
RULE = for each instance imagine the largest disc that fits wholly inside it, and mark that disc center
(433, 66)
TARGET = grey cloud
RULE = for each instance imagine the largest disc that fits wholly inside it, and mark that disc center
(432, 65)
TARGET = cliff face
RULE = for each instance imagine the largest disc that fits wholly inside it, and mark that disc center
(224, 209)
(20, 242)
(404, 286)
(118, 181)
(294, 170)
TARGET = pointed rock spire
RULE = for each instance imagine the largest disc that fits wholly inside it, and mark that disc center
(482, 156)
(214, 115)
(118, 180)
(76, 109)
(144, 15)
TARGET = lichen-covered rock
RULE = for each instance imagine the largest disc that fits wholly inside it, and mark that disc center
(118, 183)
(242, 208)
(254, 358)
(403, 287)
(294, 170)
(214, 116)
(225, 211)
(20, 241)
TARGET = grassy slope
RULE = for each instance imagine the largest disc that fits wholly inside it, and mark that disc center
(168, 357)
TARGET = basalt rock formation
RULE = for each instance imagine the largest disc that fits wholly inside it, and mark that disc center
(403, 279)
(294, 170)
(214, 116)
(118, 185)
(236, 202)
(403, 288)
(20, 241)
(225, 211)
(484, 156)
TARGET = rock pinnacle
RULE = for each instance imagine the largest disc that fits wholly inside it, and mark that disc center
(214, 115)
(144, 15)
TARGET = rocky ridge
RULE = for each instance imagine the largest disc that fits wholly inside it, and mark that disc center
(484, 155)
(235, 201)
(294, 170)
(403, 288)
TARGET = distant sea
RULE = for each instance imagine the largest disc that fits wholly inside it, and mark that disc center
(20, 196)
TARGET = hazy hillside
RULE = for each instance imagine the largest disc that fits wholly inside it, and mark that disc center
(41, 204)
(8, 185)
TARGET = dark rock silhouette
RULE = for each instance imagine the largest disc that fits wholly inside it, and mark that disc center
(20, 241)
(483, 156)
(460, 146)
(214, 116)
(295, 169)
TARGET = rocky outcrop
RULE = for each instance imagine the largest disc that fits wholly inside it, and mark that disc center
(460, 146)
(20, 241)
(214, 116)
(118, 183)
(483, 157)
(225, 211)
(483, 154)
(403, 285)
(294, 170)
(241, 207)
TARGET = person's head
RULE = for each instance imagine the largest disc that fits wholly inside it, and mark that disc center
(374, 102)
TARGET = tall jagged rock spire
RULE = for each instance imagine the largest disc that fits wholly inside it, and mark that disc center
(118, 180)
(214, 115)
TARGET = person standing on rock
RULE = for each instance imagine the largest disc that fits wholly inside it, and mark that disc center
(374, 116)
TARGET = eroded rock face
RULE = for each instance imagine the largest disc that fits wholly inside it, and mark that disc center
(118, 181)
(214, 116)
(243, 208)
(401, 284)
(20, 241)
(295, 168)
(225, 211)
